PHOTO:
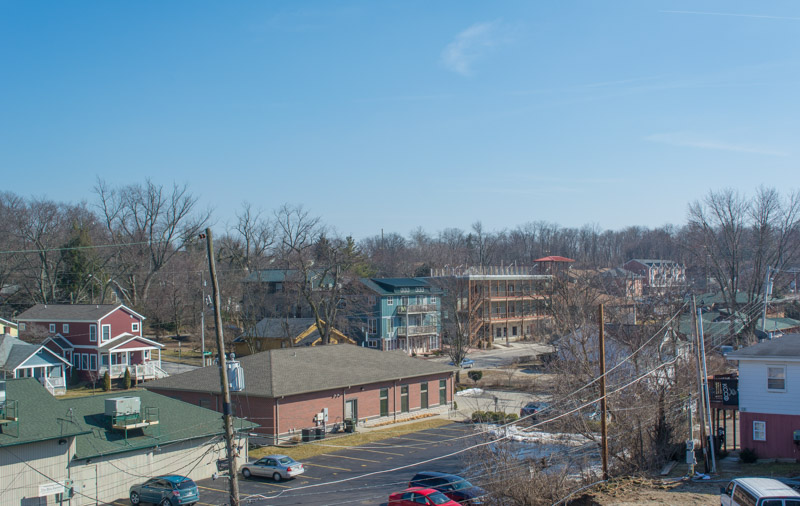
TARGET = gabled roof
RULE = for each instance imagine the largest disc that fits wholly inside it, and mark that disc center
(786, 348)
(14, 353)
(302, 331)
(291, 371)
(40, 416)
(71, 312)
(59, 340)
(619, 272)
(7, 342)
(392, 286)
(554, 258)
(269, 276)
(126, 338)
(8, 323)
(177, 421)
(278, 328)
(284, 275)
(653, 262)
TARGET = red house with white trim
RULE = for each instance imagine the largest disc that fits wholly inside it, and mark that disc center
(94, 338)
(769, 397)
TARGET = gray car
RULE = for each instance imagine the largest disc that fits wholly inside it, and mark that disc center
(278, 467)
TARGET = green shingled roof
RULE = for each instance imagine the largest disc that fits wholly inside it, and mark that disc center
(40, 417)
(178, 421)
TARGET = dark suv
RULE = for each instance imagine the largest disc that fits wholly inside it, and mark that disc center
(454, 487)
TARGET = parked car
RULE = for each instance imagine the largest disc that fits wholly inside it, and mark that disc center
(170, 490)
(419, 495)
(532, 409)
(453, 486)
(466, 363)
(278, 467)
(749, 491)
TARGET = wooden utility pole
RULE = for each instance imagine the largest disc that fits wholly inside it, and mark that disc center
(707, 400)
(700, 398)
(227, 416)
(603, 407)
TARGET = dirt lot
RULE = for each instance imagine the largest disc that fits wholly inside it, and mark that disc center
(670, 491)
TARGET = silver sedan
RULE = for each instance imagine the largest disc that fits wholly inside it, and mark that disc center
(279, 467)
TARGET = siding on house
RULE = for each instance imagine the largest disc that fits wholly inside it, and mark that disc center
(779, 442)
(754, 396)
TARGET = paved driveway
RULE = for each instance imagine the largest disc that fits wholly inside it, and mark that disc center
(359, 475)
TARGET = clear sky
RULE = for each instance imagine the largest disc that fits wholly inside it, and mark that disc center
(403, 114)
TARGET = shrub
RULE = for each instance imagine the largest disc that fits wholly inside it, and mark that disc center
(748, 455)
(126, 380)
(475, 376)
(493, 416)
(106, 382)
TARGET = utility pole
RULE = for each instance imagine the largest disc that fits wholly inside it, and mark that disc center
(697, 318)
(603, 407)
(690, 460)
(227, 416)
(767, 293)
(707, 400)
(203, 319)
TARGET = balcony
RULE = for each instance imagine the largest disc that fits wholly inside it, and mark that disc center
(416, 330)
(512, 315)
(417, 308)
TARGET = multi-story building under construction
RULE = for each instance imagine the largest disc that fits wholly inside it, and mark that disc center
(501, 302)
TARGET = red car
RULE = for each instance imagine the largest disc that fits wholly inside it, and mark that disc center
(415, 496)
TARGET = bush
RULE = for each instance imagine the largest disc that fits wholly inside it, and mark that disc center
(106, 382)
(748, 455)
(126, 380)
(493, 416)
(475, 375)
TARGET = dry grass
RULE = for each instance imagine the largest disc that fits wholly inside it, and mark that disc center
(510, 379)
(86, 390)
(334, 444)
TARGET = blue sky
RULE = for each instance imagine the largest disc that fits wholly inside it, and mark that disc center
(395, 115)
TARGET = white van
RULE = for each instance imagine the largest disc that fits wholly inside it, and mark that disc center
(758, 492)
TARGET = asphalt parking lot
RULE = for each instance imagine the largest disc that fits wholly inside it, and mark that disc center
(344, 477)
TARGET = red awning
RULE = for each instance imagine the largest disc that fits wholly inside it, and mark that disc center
(554, 258)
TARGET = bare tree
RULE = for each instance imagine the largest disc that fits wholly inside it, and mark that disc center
(150, 224)
(456, 316)
(739, 238)
(323, 267)
(251, 242)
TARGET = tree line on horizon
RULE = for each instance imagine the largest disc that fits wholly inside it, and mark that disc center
(140, 244)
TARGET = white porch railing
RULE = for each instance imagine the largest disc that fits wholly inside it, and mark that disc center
(55, 385)
(148, 370)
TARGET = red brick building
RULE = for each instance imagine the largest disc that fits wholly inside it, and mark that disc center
(287, 389)
(94, 338)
